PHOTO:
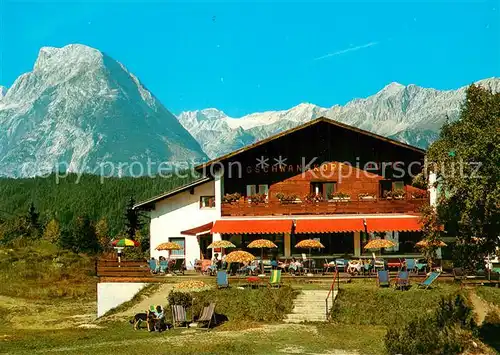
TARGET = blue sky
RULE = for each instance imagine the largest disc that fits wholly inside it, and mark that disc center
(244, 57)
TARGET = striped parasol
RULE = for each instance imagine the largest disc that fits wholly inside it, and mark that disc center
(425, 243)
(125, 242)
(262, 244)
(191, 286)
(239, 256)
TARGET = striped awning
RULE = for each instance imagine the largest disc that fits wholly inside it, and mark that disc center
(393, 224)
(199, 230)
(334, 225)
(267, 226)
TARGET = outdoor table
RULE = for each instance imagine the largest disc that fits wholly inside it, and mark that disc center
(253, 281)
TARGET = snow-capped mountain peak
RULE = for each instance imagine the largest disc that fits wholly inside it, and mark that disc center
(409, 113)
(80, 108)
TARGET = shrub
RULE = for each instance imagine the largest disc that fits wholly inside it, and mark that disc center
(180, 298)
(260, 305)
(447, 331)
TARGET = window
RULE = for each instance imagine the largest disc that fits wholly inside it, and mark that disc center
(207, 201)
(389, 185)
(324, 189)
(335, 243)
(181, 242)
(257, 189)
(398, 185)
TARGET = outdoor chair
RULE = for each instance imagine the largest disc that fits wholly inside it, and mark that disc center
(458, 274)
(429, 279)
(341, 264)
(378, 265)
(403, 280)
(383, 279)
(178, 267)
(153, 266)
(411, 265)
(207, 315)
(421, 267)
(275, 279)
(179, 317)
(222, 279)
(394, 263)
(163, 266)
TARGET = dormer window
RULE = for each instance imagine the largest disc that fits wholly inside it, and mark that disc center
(207, 202)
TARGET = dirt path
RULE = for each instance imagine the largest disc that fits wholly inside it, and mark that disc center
(157, 298)
(481, 307)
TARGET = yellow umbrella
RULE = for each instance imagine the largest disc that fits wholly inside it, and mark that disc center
(191, 286)
(239, 256)
(309, 244)
(169, 246)
(261, 244)
(379, 243)
(223, 244)
(425, 243)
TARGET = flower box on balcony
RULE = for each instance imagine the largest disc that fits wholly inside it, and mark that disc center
(231, 198)
(366, 197)
(338, 197)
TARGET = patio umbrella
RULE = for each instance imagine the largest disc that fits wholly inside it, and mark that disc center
(239, 256)
(424, 243)
(261, 244)
(168, 246)
(191, 286)
(223, 244)
(379, 244)
(119, 244)
(309, 244)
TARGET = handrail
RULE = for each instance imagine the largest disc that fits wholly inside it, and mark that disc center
(336, 276)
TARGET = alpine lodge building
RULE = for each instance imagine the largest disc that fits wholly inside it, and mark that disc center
(322, 180)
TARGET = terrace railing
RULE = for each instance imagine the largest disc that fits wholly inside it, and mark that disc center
(332, 294)
(359, 206)
(113, 268)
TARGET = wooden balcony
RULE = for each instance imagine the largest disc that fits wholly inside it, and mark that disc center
(277, 208)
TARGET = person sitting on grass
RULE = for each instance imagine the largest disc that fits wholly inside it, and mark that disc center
(159, 319)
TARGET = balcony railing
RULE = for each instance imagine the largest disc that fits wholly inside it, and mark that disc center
(358, 206)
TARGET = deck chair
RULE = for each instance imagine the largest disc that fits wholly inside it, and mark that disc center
(179, 317)
(222, 280)
(403, 280)
(411, 265)
(383, 279)
(207, 315)
(275, 279)
(341, 264)
(163, 266)
(429, 280)
(178, 267)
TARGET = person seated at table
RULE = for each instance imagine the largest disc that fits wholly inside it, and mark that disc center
(354, 266)
(274, 263)
(283, 265)
(295, 266)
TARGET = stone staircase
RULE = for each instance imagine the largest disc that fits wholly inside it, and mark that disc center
(309, 306)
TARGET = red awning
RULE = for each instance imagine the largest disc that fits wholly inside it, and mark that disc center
(267, 226)
(329, 225)
(393, 224)
(199, 230)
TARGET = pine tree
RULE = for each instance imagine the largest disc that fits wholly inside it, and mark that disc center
(85, 240)
(52, 231)
(32, 222)
(133, 221)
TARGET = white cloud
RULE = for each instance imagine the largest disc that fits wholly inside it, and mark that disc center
(350, 49)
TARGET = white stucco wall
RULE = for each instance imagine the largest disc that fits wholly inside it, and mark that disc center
(113, 294)
(180, 212)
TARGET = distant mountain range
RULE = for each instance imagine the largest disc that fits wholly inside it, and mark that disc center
(410, 114)
(80, 109)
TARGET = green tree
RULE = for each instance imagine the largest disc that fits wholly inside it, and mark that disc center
(85, 238)
(32, 222)
(133, 221)
(102, 232)
(52, 231)
(466, 159)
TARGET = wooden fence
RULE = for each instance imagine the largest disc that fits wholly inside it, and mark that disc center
(112, 268)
